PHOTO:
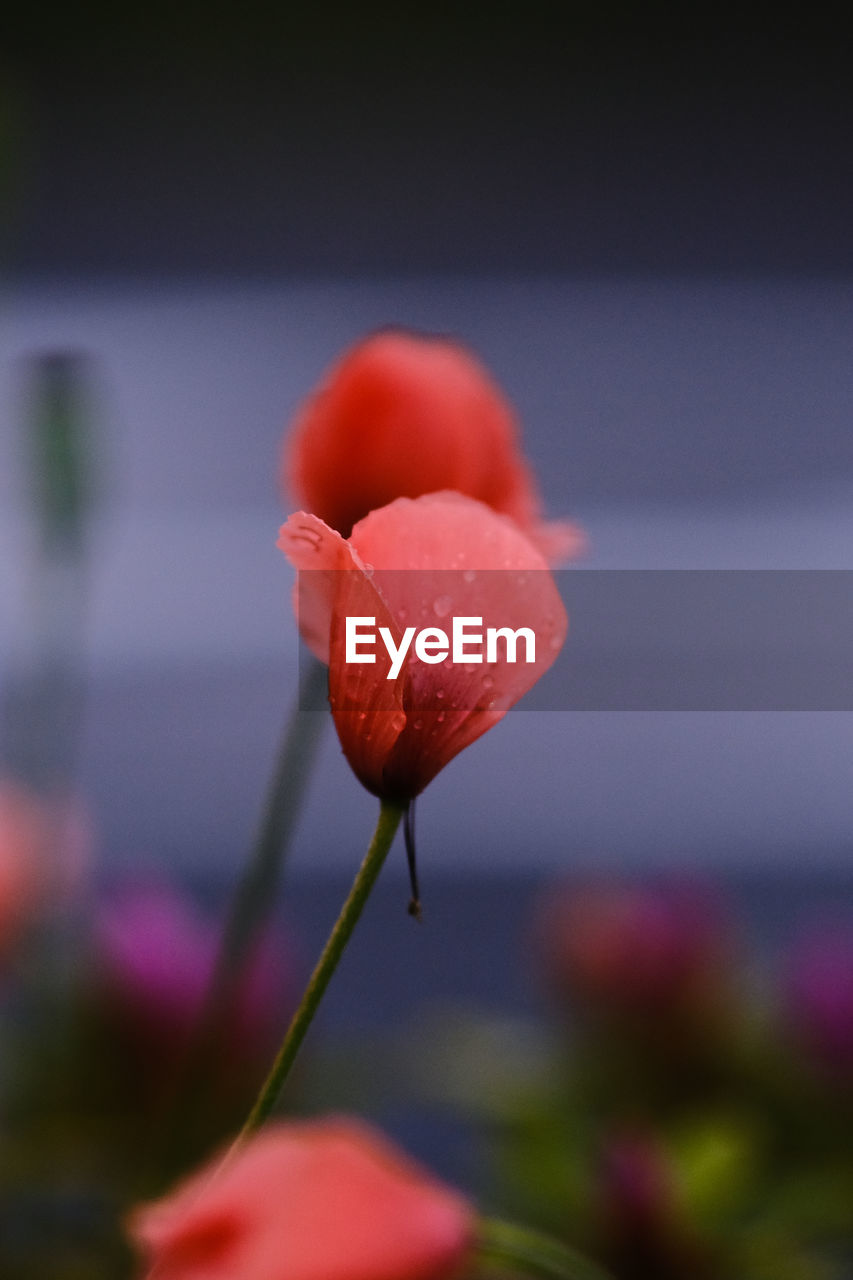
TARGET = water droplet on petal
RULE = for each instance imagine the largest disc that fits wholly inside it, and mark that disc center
(362, 715)
(442, 606)
(469, 575)
(440, 717)
(439, 693)
(488, 682)
(555, 642)
(419, 724)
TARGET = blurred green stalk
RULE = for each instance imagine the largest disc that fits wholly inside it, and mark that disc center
(43, 701)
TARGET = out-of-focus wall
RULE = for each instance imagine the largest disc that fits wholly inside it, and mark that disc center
(735, 417)
(644, 233)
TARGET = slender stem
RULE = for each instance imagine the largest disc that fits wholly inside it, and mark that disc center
(256, 893)
(528, 1253)
(252, 902)
(389, 820)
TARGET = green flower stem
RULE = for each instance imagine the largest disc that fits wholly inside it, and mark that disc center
(251, 905)
(528, 1253)
(256, 893)
(390, 816)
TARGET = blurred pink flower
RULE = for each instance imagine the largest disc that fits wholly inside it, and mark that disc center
(819, 997)
(636, 950)
(316, 1200)
(24, 869)
(154, 955)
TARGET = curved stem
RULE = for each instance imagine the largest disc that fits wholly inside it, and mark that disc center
(528, 1253)
(389, 820)
(252, 903)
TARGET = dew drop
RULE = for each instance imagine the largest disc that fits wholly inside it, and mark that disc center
(555, 642)
(441, 606)
(439, 693)
(440, 717)
(419, 724)
(469, 575)
(362, 715)
(488, 682)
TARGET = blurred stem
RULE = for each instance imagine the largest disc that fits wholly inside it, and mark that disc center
(253, 900)
(528, 1253)
(390, 816)
(256, 892)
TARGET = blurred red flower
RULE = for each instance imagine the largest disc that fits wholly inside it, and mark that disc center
(25, 880)
(416, 563)
(641, 950)
(315, 1200)
(401, 415)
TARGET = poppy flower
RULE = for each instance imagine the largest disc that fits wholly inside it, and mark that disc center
(401, 415)
(315, 1200)
(423, 564)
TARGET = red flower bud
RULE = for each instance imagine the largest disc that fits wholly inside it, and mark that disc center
(321, 1200)
(401, 415)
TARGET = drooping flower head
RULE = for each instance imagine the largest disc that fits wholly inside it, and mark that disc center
(409, 566)
(402, 415)
(316, 1200)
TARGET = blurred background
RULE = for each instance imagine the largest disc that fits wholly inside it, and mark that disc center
(643, 232)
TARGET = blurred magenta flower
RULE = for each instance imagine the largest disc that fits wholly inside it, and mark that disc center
(637, 1184)
(643, 1222)
(315, 1200)
(401, 415)
(819, 997)
(638, 950)
(153, 961)
(417, 562)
